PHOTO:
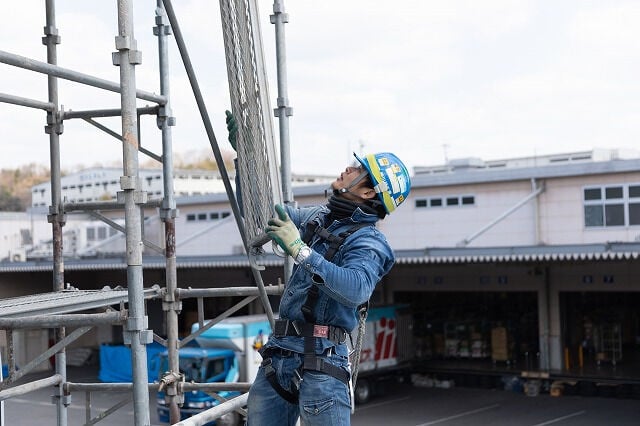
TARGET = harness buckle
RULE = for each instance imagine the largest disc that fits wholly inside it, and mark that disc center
(296, 327)
(296, 379)
(338, 335)
(267, 364)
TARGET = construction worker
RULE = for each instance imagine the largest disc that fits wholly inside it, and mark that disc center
(339, 258)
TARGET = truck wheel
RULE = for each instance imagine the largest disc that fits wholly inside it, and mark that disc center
(362, 392)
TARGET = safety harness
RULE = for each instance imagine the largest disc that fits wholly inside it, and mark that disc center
(308, 329)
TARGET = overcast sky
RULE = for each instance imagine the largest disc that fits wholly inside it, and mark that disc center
(425, 79)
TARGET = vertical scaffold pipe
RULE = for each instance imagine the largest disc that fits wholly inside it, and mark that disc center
(136, 332)
(170, 305)
(56, 214)
(283, 111)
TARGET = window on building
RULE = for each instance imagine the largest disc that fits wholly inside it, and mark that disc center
(202, 216)
(615, 205)
(448, 201)
(634, 204)
(468, 200)
(102, 233)
(191, 217)
(91, 234)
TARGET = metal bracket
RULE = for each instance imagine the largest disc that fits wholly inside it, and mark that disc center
(135, 57)
(51, 33)
(166, 29)
(288, 111)
(168, 212)
(130, 182)
(274, 18)
(172, 306)
(66, 399)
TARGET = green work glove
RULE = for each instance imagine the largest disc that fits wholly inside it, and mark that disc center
(232, 128)
(284, 232)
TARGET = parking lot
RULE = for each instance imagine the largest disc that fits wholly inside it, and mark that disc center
(402, 405)
(406, 405)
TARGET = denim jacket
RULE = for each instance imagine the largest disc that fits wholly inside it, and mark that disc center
(344, 283)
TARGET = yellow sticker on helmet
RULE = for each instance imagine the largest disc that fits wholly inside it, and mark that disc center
(387, 200)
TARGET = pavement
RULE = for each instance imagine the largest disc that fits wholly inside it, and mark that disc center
(402, 404)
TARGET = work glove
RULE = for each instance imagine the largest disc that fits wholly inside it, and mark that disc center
(232, 128)
(284, 232)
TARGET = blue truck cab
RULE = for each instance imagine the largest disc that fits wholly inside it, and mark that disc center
(201, 365)
(227, 352)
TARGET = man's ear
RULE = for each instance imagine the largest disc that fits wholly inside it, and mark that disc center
(367, 193)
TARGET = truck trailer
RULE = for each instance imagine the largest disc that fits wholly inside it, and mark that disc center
(387, 350)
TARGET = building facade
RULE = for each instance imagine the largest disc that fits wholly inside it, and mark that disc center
(543, 248)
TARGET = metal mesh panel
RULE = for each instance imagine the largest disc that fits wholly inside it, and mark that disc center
(257, 160)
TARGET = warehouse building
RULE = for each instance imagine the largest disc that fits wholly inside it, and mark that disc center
(528, 263)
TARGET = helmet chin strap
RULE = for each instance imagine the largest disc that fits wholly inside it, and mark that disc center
(356, 181)
(342, 191)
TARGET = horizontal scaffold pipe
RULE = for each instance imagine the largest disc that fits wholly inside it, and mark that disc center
(71, 207)
(52, 321)
(123, 387)
(215, 387)
(67, 74)
(17, 100)
(182, 293)
(216, 412)
(110, 112)
(103, 387)
(30, 387)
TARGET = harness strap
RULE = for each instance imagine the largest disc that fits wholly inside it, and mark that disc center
(270, 374)
(310, 304)
(285, 327)
(319, 364)
(335, 241)
(308, 330)
(312, 362)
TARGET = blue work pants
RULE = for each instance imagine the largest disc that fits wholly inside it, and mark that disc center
(323, 401)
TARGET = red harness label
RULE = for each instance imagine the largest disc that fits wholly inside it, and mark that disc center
(320, 330)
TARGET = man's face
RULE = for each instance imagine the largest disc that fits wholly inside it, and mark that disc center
(357, 193)
(344, 180)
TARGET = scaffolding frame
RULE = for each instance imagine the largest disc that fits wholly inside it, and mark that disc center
(56, 310)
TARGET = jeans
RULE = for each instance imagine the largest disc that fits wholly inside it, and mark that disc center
(324, 400)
